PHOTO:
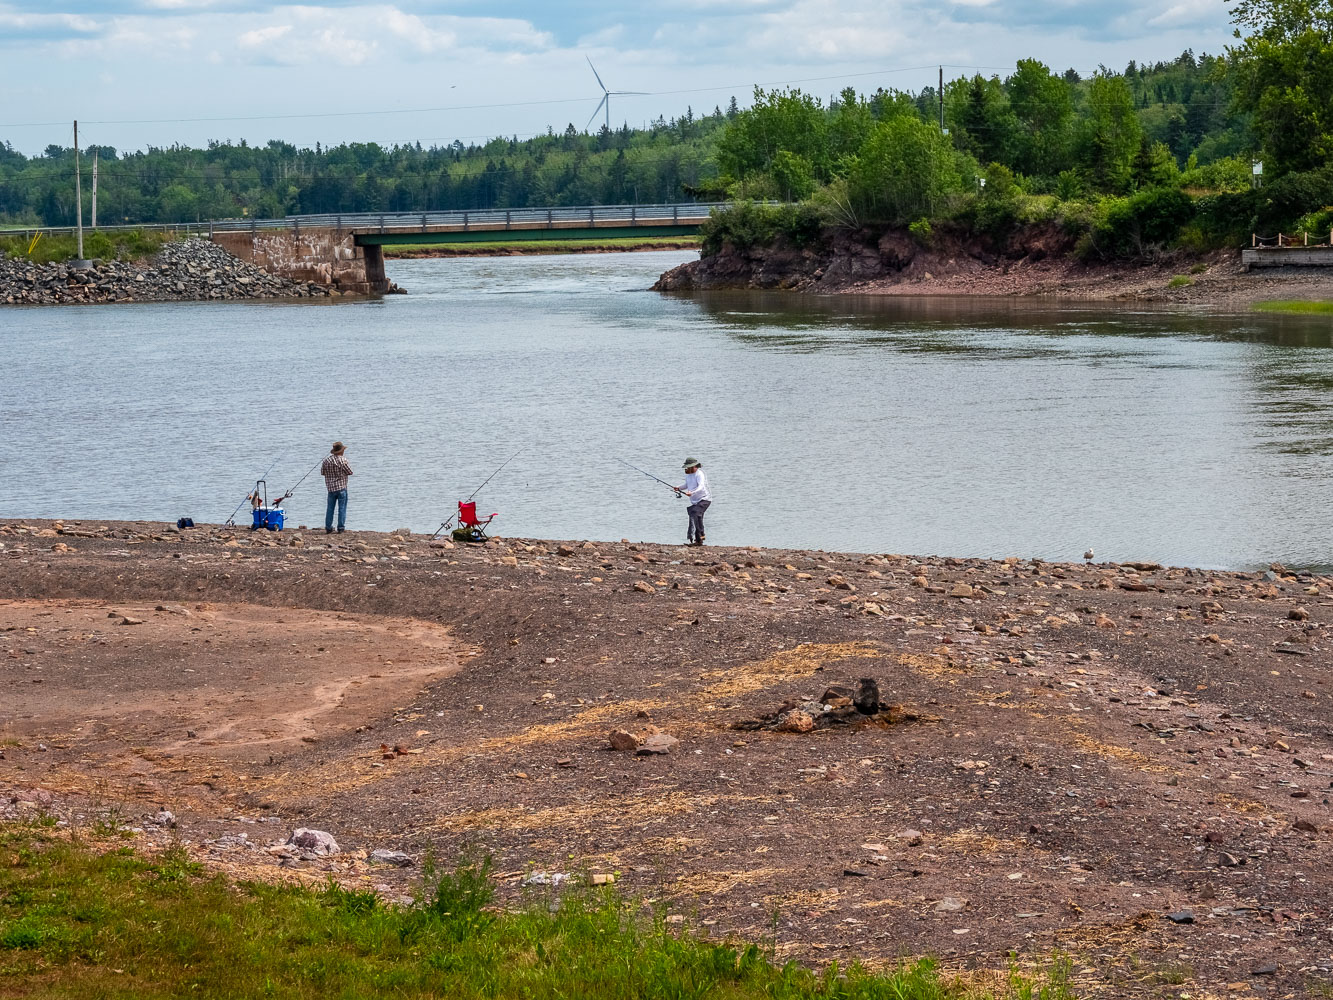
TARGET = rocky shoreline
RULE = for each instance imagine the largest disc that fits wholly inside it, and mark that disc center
(1037, 261)
(1124, 763)
(194, 270)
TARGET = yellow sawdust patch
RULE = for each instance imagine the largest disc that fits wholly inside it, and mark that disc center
(1123, 754)
(931, 664)
(603, 811)
(1240, 804)
(803, 899)
(717, 883)
(875, 904)
(339, 778)
(972, 842)
(1135, 931)
(786, 665)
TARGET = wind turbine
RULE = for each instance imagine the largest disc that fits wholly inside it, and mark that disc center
(606, 96)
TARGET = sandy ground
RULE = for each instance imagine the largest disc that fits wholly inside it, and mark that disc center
(1075, 754)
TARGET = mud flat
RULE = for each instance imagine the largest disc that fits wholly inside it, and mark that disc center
(1126, 763)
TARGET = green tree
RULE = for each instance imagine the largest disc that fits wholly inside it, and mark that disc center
(792, 175)
(906, 169)
(1111, 132)
(1283, 78)
(980, 119)
(1044, 108)
(779, 120)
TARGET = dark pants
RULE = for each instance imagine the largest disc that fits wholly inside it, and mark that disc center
(695, 532)
(337, 498)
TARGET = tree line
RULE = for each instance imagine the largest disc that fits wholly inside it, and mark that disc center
(1155, 154)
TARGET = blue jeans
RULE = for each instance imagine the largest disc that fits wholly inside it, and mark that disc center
(695, 532)
(338, 498)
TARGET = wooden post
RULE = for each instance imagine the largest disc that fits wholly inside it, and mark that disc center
(78, 190)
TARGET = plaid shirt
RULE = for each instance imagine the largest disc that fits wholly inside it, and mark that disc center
(335, 471)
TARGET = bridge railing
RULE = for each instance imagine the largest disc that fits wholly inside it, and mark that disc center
(686, 213)
(1287, 241)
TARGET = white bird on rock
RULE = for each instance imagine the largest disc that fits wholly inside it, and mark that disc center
(1087, 556)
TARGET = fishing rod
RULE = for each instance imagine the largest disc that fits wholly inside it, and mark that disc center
(673, 489)
(231, 520)
(288, 494)
(445, 524)
(495, 473)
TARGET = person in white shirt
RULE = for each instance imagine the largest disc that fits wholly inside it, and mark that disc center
(696, 488)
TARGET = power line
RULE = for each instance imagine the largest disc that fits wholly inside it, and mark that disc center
(486, 107)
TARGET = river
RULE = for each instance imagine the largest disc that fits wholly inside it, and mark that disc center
(929, 426)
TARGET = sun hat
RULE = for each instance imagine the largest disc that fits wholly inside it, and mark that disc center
(337, 448)
(691, 462)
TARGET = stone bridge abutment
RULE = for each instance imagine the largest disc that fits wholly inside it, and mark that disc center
(324, 255)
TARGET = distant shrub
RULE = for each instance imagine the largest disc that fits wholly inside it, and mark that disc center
(1140, 224)
(1227, 175)
(921, 231)
(1180, 281)
(747, 224)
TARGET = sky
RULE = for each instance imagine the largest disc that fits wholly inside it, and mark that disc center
(139, 73)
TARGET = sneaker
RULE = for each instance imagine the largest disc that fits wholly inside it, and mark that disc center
(340, 531)
(328, 531)
(700, 540)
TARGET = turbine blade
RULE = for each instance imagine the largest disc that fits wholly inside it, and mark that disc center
(605, 99)
(640, 93)
(594, 73)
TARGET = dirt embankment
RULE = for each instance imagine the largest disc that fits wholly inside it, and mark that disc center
(1127, 763)
(1037, 260)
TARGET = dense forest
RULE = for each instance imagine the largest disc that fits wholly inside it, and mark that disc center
(1159, 153)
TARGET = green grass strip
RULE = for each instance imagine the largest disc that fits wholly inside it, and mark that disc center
(120, 244)
(1294, 306)
(76, 923)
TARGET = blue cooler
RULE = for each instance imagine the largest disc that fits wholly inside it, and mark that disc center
(268, 517)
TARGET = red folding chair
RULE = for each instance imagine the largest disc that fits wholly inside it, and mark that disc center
(471, 523)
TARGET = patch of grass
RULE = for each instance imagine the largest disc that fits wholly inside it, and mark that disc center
(1180, 281)
(1199, 268)
(1294, 306)
(543, 246)
(75, 924)
(128, 244)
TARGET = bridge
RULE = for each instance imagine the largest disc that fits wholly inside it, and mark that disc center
(346, 252)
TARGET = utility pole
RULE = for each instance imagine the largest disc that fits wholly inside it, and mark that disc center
(941, 98)
(94, 219)
(78, 190)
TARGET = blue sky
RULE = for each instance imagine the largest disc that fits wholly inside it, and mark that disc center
(157, 72)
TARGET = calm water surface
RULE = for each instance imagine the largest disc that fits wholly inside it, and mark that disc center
(926, 426)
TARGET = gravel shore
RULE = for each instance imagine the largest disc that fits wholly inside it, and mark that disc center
(188, 271)
(1126, 763)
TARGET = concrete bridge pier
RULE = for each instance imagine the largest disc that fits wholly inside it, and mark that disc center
(324, 255)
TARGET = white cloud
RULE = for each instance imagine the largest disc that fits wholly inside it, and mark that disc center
(1186, 13)
(263, 36)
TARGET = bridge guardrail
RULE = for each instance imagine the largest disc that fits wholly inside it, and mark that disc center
(490, 218)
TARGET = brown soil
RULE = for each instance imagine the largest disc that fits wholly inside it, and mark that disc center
(1075, 752)
(1037, 261)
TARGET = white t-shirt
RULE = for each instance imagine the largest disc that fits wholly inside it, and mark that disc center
(697, 486)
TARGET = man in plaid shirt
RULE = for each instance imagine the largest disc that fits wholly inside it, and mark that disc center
(335, 471)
